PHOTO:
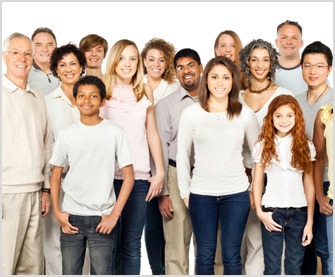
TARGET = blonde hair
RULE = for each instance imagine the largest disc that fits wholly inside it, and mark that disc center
(112, 62)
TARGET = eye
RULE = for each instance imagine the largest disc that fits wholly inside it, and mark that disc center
(227, 78)
(179, 68)
(253, 60)
(151, 59)
(50, 45)
(61, 65)
(80, 95)
(15, 52)
(94, 96)
(191, 65)
(223, 45)
(38, 45)
(320, 66)
(266, 60)
(214, 77)
(162, 61)
(28, 54)
(133, 59)
(232, 45)
(283, 37)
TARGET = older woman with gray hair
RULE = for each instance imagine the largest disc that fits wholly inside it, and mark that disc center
(258, 61)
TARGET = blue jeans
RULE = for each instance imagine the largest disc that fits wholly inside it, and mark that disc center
(293, 221)
(206, 211)
(154, 238)
(330, 240)
(101, 246)
(132, 223)
(319, 245)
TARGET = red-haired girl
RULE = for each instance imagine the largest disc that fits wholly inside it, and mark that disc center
(286, 209)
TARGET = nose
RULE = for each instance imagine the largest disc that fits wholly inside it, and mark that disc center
(94, 53)
(228, 48)
(68, 68)
(156, 63)
(45, 48)
(22, 57)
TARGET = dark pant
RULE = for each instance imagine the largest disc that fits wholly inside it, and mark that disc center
(132, 223)
(206, 211)
(101, 246)
(154, 238)
(293, 221)
(319, 245)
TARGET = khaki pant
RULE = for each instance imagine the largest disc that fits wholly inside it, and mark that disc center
(22, 246)
(178, 232)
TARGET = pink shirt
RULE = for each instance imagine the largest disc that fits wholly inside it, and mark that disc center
(123, 109)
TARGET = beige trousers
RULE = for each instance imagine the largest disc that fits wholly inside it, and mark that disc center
(22, 245)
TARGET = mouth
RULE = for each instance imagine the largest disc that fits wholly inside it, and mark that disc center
(69, 76)
(21, 66)
(126, 71)
(313, 78)
(188, 77)
(93, 60)
(155, 70)
(260, 72)
(86, 107)
(228, 56)
(220, 90)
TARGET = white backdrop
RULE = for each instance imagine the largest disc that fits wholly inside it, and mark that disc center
(185, 24)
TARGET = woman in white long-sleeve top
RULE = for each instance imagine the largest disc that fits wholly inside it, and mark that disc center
(218, 188)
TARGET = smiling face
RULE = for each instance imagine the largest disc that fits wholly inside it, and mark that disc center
(44, 45)
(88, 100)
(226, 47)
(18, 67)
(219, 82)
(188, 73)
(315, 76)
(94, 56)
(284, 120)
(127, 66)
(289, 41)
(259, 64)
(69, 69)
(155, 63)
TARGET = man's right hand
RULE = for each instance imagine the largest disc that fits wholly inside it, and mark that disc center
(325, 207)
(165, 206)
(63, 219)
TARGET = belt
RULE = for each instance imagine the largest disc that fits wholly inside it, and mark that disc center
(174, 164)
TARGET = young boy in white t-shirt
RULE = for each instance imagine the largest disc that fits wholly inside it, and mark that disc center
(90, 211)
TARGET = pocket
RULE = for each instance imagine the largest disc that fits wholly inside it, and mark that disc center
(302, 210)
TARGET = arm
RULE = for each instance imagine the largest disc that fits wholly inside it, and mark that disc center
(108, 222)
(62, 217)
(156, 181)
(319, 165)
(310, 197)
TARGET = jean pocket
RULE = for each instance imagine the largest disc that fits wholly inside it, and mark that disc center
(302, 210)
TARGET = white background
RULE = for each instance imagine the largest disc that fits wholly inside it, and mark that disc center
(185, 24)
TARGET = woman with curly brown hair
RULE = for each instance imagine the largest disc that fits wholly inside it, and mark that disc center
(158, 57)
(286, 209)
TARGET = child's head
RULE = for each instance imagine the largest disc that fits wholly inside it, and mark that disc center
(285, 117)
(90, 80)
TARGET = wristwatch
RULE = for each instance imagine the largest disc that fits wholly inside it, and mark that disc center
(46, 190)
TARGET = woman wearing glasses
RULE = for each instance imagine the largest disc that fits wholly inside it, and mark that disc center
(316, 62)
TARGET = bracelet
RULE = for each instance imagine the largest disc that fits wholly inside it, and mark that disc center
(46, 190)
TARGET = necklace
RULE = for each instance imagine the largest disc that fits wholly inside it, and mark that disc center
(319, 95)
(218, 115)
(261, 90)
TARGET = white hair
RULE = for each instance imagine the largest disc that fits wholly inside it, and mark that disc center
(14, 35)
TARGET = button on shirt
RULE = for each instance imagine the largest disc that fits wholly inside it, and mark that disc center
(285, 183)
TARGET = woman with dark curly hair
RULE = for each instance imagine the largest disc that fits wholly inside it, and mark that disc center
(286, 209)
(258, 63)
(158, 57)
(67, 63)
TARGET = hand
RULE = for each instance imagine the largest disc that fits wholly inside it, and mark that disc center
(156, 185)
(269, 223)
(307, 235)
(63, 219)
(165, 206)
(107, 223)
(186, 200)
(45, 203)
(252, 202)
(325, 207)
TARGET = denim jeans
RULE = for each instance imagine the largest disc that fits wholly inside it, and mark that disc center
(101, 247)
(319, 245)
(330, 240)
(132, 223)
(206, 211)
(154, 238)
(293, 221)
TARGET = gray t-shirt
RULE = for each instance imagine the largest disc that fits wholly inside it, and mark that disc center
(92, 152)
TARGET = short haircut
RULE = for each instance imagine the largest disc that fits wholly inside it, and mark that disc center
(168, 52)
(90, 80)
(64, 50)
(8, 39)
(289, 22)
(317, 47)
(44, 30)
(245, 55)
(91, 41)
(234, 106)
(186, 52)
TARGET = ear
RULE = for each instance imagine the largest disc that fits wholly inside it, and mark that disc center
(145, 62)
(301, 43)
(329, 70)
(4, 57)
(276, 42)
(103, 102)
(216, 51)
(201, 69)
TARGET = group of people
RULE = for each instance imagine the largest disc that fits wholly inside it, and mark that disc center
(238, 153)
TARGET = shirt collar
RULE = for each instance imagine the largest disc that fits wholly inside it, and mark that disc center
(184, 94)
(59, 93)
(35, 65)
(11, 87)
(283, 141)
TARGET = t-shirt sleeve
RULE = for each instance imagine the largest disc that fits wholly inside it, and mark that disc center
(59, 155)
(257, 152)
(312, 150)
(123, 153)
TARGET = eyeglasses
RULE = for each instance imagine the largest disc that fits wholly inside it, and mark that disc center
(318, 66)
(188, 66)
(16, 54)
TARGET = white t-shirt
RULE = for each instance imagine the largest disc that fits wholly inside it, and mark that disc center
(284, 187)
(92, 152)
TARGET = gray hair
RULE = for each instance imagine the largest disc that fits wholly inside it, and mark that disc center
(14, 35)
(246, 52)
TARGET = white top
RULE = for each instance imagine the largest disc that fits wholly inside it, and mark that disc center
(218, 168)
(164, 89)
(92, 152)
(260, 114)
(284, 187)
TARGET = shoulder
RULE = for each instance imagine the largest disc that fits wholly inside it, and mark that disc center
(169, 101)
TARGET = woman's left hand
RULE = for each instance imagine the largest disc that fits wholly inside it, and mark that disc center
(307, 235)
(156, 185)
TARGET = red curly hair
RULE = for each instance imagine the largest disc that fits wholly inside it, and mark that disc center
(301, 155)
